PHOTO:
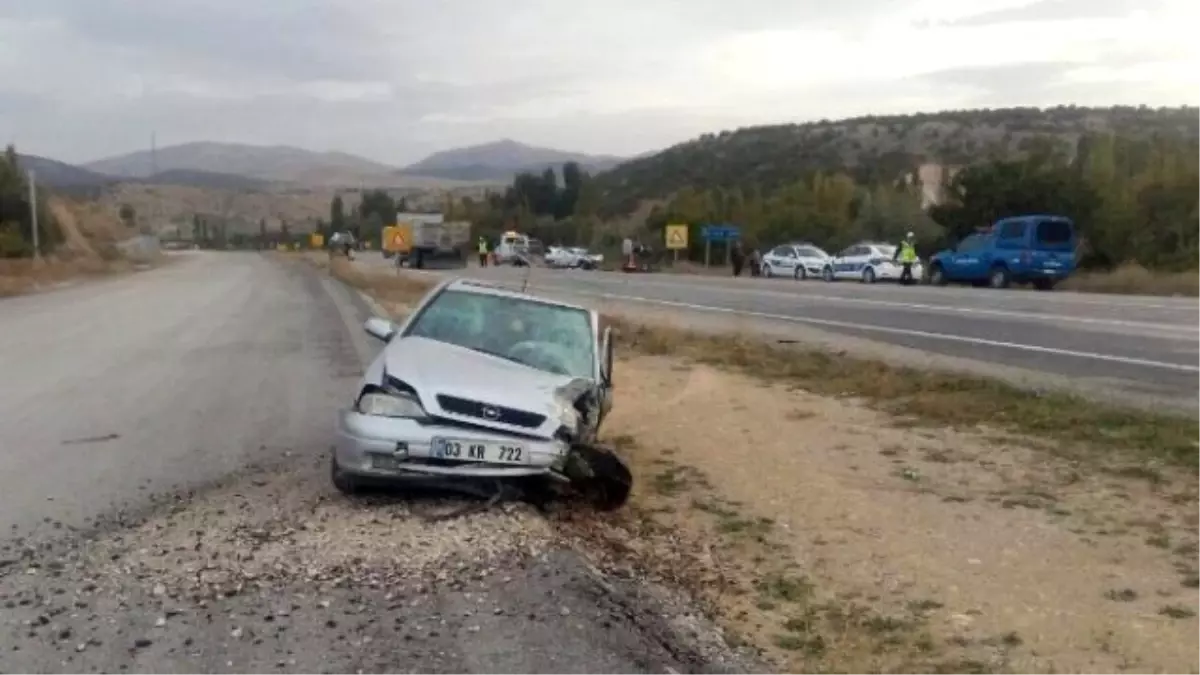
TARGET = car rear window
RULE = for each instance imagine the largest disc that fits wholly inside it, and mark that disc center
(1054, 232)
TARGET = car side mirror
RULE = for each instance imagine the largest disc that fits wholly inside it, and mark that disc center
(380, 328)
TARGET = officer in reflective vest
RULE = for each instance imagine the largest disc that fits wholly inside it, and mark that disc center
(906, 254)
(483, 252)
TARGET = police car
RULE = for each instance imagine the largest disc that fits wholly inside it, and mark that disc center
(868, 262)
(799, 261)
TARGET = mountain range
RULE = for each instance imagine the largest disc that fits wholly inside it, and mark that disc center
(251, 167)
(501, 160)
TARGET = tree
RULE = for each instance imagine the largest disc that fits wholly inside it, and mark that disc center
(337, 214)
(127, 215)
(16, 226)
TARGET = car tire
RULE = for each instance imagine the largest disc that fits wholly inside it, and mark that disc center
(827, 274)
(800, 274)
(868, 276)
(937, 276)
(344, 482)
(1044, 284)
(766, 271)
(998, 277)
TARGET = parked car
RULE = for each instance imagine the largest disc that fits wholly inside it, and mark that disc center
(798, 260)
(482, 383)
(1038, 249)
(868, 262)
(572, 257)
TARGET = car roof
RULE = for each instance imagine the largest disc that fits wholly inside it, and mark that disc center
(485, 288)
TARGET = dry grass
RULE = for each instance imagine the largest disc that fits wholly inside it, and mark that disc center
(797, 575)
(23, 276)
(89, 249)
(1133, 279)
(1073, 426)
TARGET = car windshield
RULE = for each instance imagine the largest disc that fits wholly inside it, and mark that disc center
(541, 335)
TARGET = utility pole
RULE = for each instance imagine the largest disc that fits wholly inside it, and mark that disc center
(33, 215)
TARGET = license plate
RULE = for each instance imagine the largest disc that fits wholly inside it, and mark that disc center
(492, 452)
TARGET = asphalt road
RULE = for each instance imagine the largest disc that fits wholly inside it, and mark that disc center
(1145, 346)
(165, 507)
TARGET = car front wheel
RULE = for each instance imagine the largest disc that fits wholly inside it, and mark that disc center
(998, 277)
(937, 276)
(800, 274)
(344, 482)
(868, 276)
(766, 271)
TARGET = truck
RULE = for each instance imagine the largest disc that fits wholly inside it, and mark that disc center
(427, 240)
(518, 250)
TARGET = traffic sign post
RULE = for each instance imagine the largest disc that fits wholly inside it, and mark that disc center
(677, 239)
(721, 234)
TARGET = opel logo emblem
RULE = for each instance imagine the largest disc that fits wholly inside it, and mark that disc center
(491, 413)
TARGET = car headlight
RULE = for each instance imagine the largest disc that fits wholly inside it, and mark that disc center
(390, 405)
(567, 415)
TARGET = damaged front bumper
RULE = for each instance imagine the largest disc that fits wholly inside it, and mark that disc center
(383, 448)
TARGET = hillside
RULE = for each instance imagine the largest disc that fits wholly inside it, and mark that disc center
(768, 157)
(500, 160)
(171, 207)
(62, 175)
(204, 179)
(269, 163)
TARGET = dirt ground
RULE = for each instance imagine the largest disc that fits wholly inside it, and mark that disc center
(836, 540)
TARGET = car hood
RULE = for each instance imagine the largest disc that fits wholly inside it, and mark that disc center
(436, 368)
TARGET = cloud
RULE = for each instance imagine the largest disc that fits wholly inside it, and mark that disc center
(396, 79)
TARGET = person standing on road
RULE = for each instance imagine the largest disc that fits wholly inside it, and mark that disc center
(738, 258)
(906, 254)
(483, 251)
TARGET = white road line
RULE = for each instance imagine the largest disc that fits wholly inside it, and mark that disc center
(895, 331)
(1072, 297)
(1170, 328)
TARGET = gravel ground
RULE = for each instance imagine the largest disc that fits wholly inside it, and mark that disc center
(182, 521)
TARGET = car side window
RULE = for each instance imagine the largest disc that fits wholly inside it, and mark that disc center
(789, 252)
(778, 252)
(1012, 230)
(807, 252)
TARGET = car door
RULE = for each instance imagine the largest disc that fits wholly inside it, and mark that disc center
(964, 260)
(787, 260)
(775, 259)
(839, 261)
(852, 261)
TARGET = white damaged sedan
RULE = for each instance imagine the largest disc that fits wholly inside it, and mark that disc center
(482, 383)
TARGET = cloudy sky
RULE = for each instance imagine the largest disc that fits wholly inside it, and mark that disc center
(396, 79)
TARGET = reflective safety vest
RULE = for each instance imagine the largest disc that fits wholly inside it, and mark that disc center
(908, 254)
(483, 246)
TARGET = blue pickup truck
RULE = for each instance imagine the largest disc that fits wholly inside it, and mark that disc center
(1037, 249)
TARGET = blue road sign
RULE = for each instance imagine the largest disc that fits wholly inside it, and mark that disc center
(718, 233)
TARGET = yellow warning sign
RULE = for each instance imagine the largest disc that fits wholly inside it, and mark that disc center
(316, 240)
(677, 237)
(397, 238)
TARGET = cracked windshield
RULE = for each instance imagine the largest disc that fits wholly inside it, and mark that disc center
(646, 337)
